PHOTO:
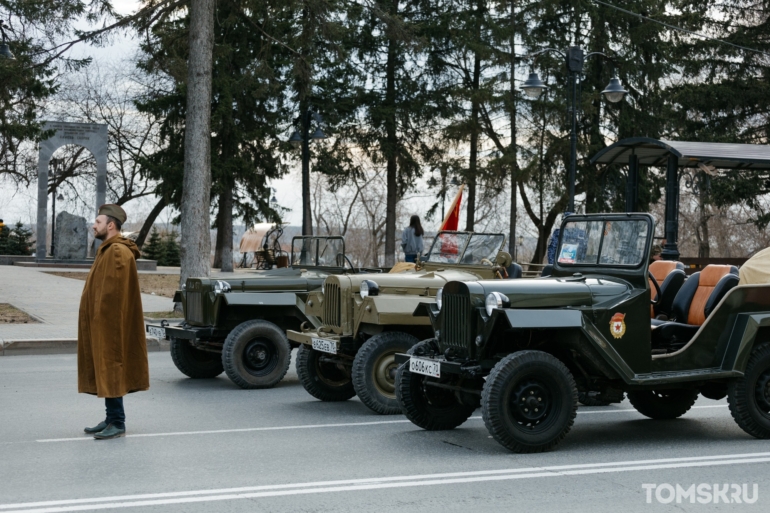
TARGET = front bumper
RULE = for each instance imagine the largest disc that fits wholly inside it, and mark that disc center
(446, 366)
(306, 337)
(188, 332)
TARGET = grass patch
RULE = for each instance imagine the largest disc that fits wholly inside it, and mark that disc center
(164, 315)
(9, 314)
(158, 284)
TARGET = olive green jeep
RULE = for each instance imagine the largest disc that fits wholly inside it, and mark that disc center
(368, 318)
(524, 349)
(237, 325)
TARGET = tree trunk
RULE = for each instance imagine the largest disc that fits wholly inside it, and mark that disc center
(391, 151)
(513, 147)
(196, 186)
(474, 156)
(226, 217)
(151, 217)
(702, 232)
(218, 242)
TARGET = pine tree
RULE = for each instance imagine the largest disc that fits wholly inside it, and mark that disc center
(153, 249)
(4, 234)
(17, 241)
(170, 256)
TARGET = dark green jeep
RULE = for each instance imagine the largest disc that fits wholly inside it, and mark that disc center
(238, 325)
(524, 349)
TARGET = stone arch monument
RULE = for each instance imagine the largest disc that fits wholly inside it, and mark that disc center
(92, 137)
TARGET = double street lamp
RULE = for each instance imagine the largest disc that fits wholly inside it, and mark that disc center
(533, 87)
(302, 138)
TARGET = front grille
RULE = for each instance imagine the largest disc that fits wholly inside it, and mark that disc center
(332, 315)
(194, 305)
(456, 320)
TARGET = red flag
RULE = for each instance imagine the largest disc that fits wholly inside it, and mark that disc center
(452, 219)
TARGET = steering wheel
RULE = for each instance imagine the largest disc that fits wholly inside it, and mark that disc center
(487, 261)
(657, 288)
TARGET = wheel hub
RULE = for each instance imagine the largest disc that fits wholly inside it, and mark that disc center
(530, 402)
(385, 374)
(258, 355)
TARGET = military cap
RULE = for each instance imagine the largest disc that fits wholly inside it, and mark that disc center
(113, 211)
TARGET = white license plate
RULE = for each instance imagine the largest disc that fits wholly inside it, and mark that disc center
(426, 367)
(323, 345)
(156, 332)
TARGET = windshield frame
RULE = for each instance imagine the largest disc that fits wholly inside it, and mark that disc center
(605, 219)
(464, 247)
(298, 247)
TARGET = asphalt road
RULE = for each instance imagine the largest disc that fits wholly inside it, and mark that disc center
(196, 446)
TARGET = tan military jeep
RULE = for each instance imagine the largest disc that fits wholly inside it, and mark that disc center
(367, 318)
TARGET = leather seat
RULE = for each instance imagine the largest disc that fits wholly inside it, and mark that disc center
(670, 276)
(547, 270)
(694, 302)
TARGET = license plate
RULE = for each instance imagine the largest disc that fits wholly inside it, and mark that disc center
(325, 346)
(156, 332)
(426, 367)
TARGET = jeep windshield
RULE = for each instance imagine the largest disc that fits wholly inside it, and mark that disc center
(318, 252)
(465, 248)
(602, 242)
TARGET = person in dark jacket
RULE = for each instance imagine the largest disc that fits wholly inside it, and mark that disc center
(411, 239)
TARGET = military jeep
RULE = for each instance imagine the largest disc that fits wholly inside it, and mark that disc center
(524, 349)
(368, 319)
(237, 325)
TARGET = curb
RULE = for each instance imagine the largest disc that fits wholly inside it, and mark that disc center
(19, 347)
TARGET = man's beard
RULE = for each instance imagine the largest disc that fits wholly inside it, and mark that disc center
(100, 235)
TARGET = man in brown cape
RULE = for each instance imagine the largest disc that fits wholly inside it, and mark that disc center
(112, 351)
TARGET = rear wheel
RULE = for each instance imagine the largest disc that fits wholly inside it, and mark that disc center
(374, 370)
(427, 406)
(256, 354)
(663, 404)
(749, 396)
(529, 401)
(193, 362)
(322, 378)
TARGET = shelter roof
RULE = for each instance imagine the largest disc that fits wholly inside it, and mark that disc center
(654, 152)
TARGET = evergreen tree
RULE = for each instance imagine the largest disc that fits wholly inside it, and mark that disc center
(153, 248)
(16, 241)
(170, 256)
(4, 234)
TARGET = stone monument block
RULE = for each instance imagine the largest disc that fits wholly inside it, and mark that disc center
(71, 237)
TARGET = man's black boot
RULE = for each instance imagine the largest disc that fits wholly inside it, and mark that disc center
(93, 430)
(111, 431)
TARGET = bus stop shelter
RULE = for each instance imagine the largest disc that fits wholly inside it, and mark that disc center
(675, 155)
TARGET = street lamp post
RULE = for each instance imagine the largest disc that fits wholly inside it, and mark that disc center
(533, 87)
(302, 138)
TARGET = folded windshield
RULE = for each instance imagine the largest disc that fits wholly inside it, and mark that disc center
(465, 248)
(618, 242)
(318, 251)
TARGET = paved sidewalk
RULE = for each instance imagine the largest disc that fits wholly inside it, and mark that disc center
(53, 300)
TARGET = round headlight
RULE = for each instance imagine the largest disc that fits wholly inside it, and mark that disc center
(495, 300)
(439, 296)
(369, 288)
(220, 287)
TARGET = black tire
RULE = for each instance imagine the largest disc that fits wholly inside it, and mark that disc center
(529, 401)
(374, 370)
(431, 408)
(195, 363)
(323, 380)
(663, 404)
(749, 396)
(256, 354)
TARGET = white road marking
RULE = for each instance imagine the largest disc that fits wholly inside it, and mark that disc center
(86, 438)
(157, 499)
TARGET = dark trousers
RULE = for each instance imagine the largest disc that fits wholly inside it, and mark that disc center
(115, 413)
(410, 258)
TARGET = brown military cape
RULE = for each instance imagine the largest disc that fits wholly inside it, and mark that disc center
(112, 350)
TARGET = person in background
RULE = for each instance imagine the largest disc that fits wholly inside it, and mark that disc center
(411, 239)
